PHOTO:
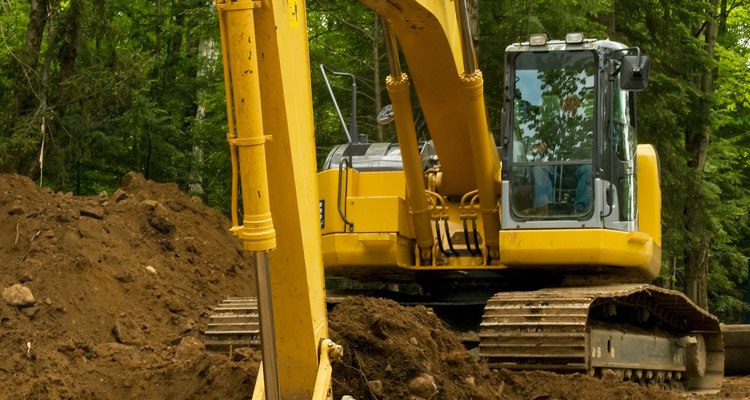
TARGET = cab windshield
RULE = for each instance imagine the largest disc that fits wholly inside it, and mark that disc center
(553, 124)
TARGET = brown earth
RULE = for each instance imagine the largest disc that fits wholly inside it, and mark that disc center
(123, 285)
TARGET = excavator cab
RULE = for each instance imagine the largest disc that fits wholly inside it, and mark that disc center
(570, 134)
(571, 160)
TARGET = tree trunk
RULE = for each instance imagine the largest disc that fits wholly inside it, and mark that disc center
(38, 16)
(69, 39)
(696, 144)
(35, 32)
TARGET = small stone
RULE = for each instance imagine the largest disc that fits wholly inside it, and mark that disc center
(119, 195)
(18, 295)
(242, 354)
(174, 305)
(67, 215)
(66, 346)
(125, 276)
(151, 269)
(127, 331)
(187, 326)
(176, 206)
(608, 375)
(111, 350)
(132, 180)
(161, 224)
(17, 209)
(48, 301)
(388, 368)
(414, 341)
(376, 387)
(423, 386)
(25, 276)
(90, 228)
(470, 381)
(30, 312)
(189, 348)
(93, 211)
(347, 397)
(151, 204)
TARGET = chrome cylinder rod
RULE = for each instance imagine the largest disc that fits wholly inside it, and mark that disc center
(466, 39)
(267, 334)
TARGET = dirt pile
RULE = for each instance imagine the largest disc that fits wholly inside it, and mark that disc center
(395, 352)
(121, 287)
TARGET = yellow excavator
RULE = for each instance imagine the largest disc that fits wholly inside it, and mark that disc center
(555, 233)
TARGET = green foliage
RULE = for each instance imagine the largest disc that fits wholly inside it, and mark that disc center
(344, 36)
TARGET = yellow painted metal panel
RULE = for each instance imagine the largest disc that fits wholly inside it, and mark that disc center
(388, 186)
(366, 249)
(580, 247)
(380, 214)
(649, 192)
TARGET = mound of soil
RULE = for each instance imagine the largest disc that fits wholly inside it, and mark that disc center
(394, 352)
(106, 297)
(122, 285)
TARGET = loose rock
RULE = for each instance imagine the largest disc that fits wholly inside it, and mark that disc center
(127, 331)
(189, 348)
(242, 354)
(25, 276)
(151, 204)
(119, 195)
(96, 212)
(132, 180)
(423, 386)
(376, 387)
(30, 312)
(18, 295)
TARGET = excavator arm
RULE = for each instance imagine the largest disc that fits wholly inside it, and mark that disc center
(269, 107)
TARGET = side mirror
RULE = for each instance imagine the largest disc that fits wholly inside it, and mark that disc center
(634, 73)
(385, 116)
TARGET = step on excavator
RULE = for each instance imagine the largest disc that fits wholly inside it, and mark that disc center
(555, 234)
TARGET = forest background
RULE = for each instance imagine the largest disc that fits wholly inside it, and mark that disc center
(90, 90)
